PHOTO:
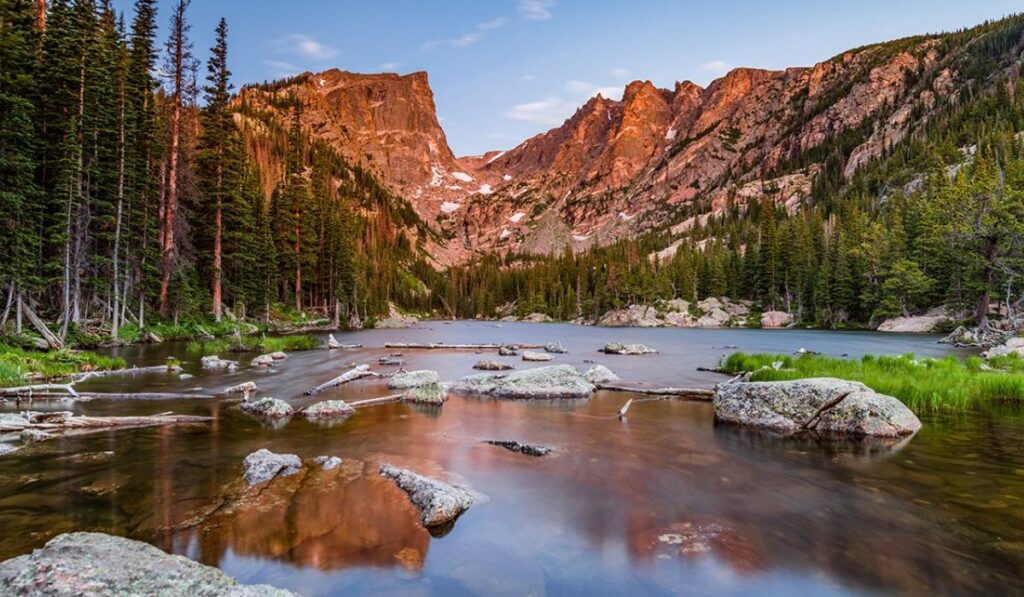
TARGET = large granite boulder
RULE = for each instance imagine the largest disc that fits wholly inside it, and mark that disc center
(642, 316)
(821, 405)
(1013, 345)
(627, 349)
(396, 320)
(328, 410)
(215, 363)
(600, 374)
(98, 564)
(530, 355)
(537, 318)
(412, 379)
(491, 365)
(431, 393)
(715, 318)
(263, 465)
(552, 381)
(919, 324)
(439, 503)
(268, 408)
(776, 319)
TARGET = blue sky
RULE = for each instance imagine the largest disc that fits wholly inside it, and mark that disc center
(503, 70)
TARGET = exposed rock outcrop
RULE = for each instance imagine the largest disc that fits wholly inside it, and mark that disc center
(552, 381)
(489, 365)
(396, 320)
(100, 565)
(776, 319)
(627, 349)
(640, 316)
(820, 405)
(600, 374)
(439, 503)
(919, 324)
(530, 355)
(413, 379)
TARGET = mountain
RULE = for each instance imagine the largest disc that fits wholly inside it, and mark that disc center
(658, 159)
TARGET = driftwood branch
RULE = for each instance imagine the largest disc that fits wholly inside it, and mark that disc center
(37, 323)
(84, 396)
(377, 401)
(442, 345)
(351, 375)
(689, 393)
(42, 388)
(64, 422)
(126, 371)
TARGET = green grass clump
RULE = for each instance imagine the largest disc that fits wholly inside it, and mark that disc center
(253, 344)
(19, 364)
(921, 384)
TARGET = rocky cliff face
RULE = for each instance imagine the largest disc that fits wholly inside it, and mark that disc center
(657, 159)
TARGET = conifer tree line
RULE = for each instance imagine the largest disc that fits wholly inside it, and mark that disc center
(127, 194)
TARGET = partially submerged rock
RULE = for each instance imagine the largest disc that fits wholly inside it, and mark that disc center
(537, 318)
(488, 365)
(641, 316)
(600, 374)
(390, 361)
(439, 503)
(215, 363)
(396, 320)
(279, 355)
(327, 410)
(31, 436)
(413, 379)
(264, 360)
(243, 388)
(508, 351)
(627, 349)
(529, 355)
(104, 565)
(555, 348)
(1013, 345)
(268, 408)
(514, 446)
(553, 381)
(822, 405)
(263, 465)
(431, 393)
(920, 324)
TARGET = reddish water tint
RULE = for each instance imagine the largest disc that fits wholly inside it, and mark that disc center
(662, 503)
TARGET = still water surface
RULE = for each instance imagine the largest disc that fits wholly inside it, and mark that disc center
(664, 502)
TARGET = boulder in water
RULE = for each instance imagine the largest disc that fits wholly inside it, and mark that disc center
(101, 564)
(267, 408)
(529, 355)
(552, 381)
(555, 348)
(328, 462)
(263, 465)
(264, 360)
(488, 365)
(627, 349)
(439, 503)
(537, 318)
(327, 410)
(412, 379)
(821, 405)
(215, 363)
(243, 388)
(514, 446)
(507, 351)
(641, 316)
(600, 374)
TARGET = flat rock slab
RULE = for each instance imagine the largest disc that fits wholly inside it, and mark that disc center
(552, 381)
(439, 503)
(514, 446)
(98, 564)
(821, 405)
(600, 374)
(627, 349)
(492, 366)
(263, 465)
(529, 355)
(328, 410)
(413, 379)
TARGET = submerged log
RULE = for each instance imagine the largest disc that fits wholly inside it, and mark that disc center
(442, 345)
(690, 393)
(351, 375)
(65, 423)
(377, 401)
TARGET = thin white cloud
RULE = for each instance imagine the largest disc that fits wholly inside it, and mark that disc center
(549, 111)
(717, 67)
(619, 72)
(528, 78)
(585, 90)
(306, 46)
(390, 66)
(470, 37)
(279, 68)
(536, 10)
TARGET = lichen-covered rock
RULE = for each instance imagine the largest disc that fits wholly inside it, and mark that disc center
(627, 349)
(514, 446)
(263, 465)
(529, 355)
(553, 381)
(267, 408)
(488, 365)
(412, 379)
(396, 320)
(439, 503)
(537, 318)
(328, 409)
(710, 304)
(242, 388)
(715, 318)
(328, 462)
(822, 405)
(776, 319)
(600, 374)
(555, 348)
(264, 360)
(642, 316)
(215, 363)
(431, 393)
(102, 565)
(680, 319)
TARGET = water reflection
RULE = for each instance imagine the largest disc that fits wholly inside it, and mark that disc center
(664, 503)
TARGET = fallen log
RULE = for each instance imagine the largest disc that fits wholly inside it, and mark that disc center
(689, 393)
(44, 387)
(351, 375)
(64, 422)
(84, 396)
(377, 401)
(442, 345)
(126, 371)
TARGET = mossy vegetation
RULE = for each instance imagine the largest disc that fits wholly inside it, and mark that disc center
(19, 365)
(922, 384)
(260, 343)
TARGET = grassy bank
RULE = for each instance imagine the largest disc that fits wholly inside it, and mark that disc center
(19, 366)
(259, 343)
(921, 384)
